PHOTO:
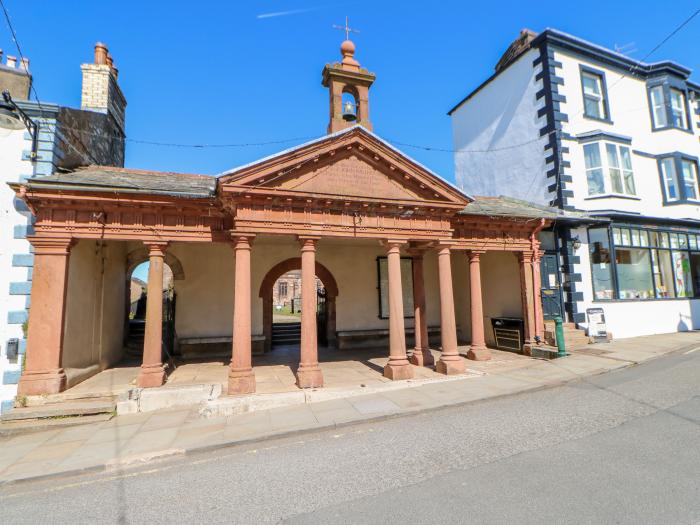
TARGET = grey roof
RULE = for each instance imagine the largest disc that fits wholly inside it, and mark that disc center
(509, 207)
(110, 179)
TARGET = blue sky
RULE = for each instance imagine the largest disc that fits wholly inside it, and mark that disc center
(213, 72)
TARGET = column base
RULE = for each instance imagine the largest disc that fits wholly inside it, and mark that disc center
(451, 366)
(151, 376)
(43, 382)
(422, 358)
(479, 353)
(398, 370)
(241, 382)
(309, 377)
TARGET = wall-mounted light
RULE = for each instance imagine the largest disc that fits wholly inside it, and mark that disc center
(575, 243)
(12, 117)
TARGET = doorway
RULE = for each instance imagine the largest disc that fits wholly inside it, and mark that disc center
(551, 287)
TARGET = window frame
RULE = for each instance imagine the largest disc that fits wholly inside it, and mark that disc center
(666, 235)
(666, 84)
(678, 158)
(411, 315)
(586, 70)
(605, 166)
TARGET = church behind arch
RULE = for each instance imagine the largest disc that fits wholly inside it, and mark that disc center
(411, 266)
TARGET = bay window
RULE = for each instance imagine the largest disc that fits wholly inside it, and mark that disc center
(611, 173)
(668, 104)
(679, 178)
(643, 263)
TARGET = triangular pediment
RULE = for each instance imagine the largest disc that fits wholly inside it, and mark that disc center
(352, 165)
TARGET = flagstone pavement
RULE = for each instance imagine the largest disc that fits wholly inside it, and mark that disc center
(138, 438)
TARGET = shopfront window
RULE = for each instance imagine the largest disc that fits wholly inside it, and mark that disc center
(644, 263)
(601, 269)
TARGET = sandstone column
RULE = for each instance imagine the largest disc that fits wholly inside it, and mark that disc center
(421, 351)
(398, 366)
(477, 350)
(152, 371)
(43, 372)
(241, 379)
(537, 286)
(450, 361)
(309, 373)
(527, 296)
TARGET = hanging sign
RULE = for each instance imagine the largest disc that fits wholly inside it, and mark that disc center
(596, 324)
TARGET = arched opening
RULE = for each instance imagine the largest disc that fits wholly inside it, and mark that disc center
(281, 310)
(137, 299)
(350, 108)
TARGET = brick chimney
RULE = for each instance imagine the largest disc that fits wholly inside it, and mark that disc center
(15, 77)
(101, 91)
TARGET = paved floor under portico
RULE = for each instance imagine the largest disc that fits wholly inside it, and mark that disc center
(274, 371)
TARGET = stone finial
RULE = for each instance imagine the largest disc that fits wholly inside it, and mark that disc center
(101, 53)
(347, 49)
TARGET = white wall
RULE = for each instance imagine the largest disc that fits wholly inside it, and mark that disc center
(500, 115)
(629, 111)
(12, 144)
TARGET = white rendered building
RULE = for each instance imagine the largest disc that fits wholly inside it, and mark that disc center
(565, 122)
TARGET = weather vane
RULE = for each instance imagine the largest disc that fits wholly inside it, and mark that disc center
(347, 29)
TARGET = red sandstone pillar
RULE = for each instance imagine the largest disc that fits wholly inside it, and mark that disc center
(309, 373)
(152, 371)
(527, 296)
(398, 366)
(537, 285)
(43, 372)
(421, 351)
(477, 349)
(450, 361)
(241, 379)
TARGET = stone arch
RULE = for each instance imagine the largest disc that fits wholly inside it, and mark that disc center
(278, 271)
(140, 255)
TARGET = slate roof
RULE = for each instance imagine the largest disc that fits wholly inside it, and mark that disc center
(108, 179)
(509, 207)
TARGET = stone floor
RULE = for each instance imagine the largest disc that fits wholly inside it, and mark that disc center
(274, 371)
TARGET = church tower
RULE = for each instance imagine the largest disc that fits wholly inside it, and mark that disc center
(348, 86)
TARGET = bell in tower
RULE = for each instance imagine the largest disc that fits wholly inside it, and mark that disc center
(348, 86)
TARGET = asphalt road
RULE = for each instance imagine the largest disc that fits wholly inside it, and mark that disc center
(618, 448)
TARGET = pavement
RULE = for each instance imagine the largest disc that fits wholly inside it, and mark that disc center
(132, 440)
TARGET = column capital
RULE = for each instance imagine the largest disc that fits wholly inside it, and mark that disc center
(242, 241)
(308, 242)
(393, 245)
(51, 245)
(443, 247)
(156, 248)
(475, 255)
(526, 257)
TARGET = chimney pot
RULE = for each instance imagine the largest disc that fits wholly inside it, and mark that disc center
(101, 53)
(24, 64)
(11, 61)
(110, 62)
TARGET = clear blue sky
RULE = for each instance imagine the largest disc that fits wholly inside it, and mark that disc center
(213, 72)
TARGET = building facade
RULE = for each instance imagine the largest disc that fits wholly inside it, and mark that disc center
(574, 125)
(400, 252)
(66, 138)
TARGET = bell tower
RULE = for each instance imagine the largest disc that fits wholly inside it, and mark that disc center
(348, 86)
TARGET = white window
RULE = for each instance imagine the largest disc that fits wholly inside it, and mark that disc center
(670, 177)
(658, 106)
(593, 97)
(678, 115)
(690, 179)
(612, 175)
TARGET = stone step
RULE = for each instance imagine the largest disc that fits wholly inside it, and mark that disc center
(25, 426)
(58, 410)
